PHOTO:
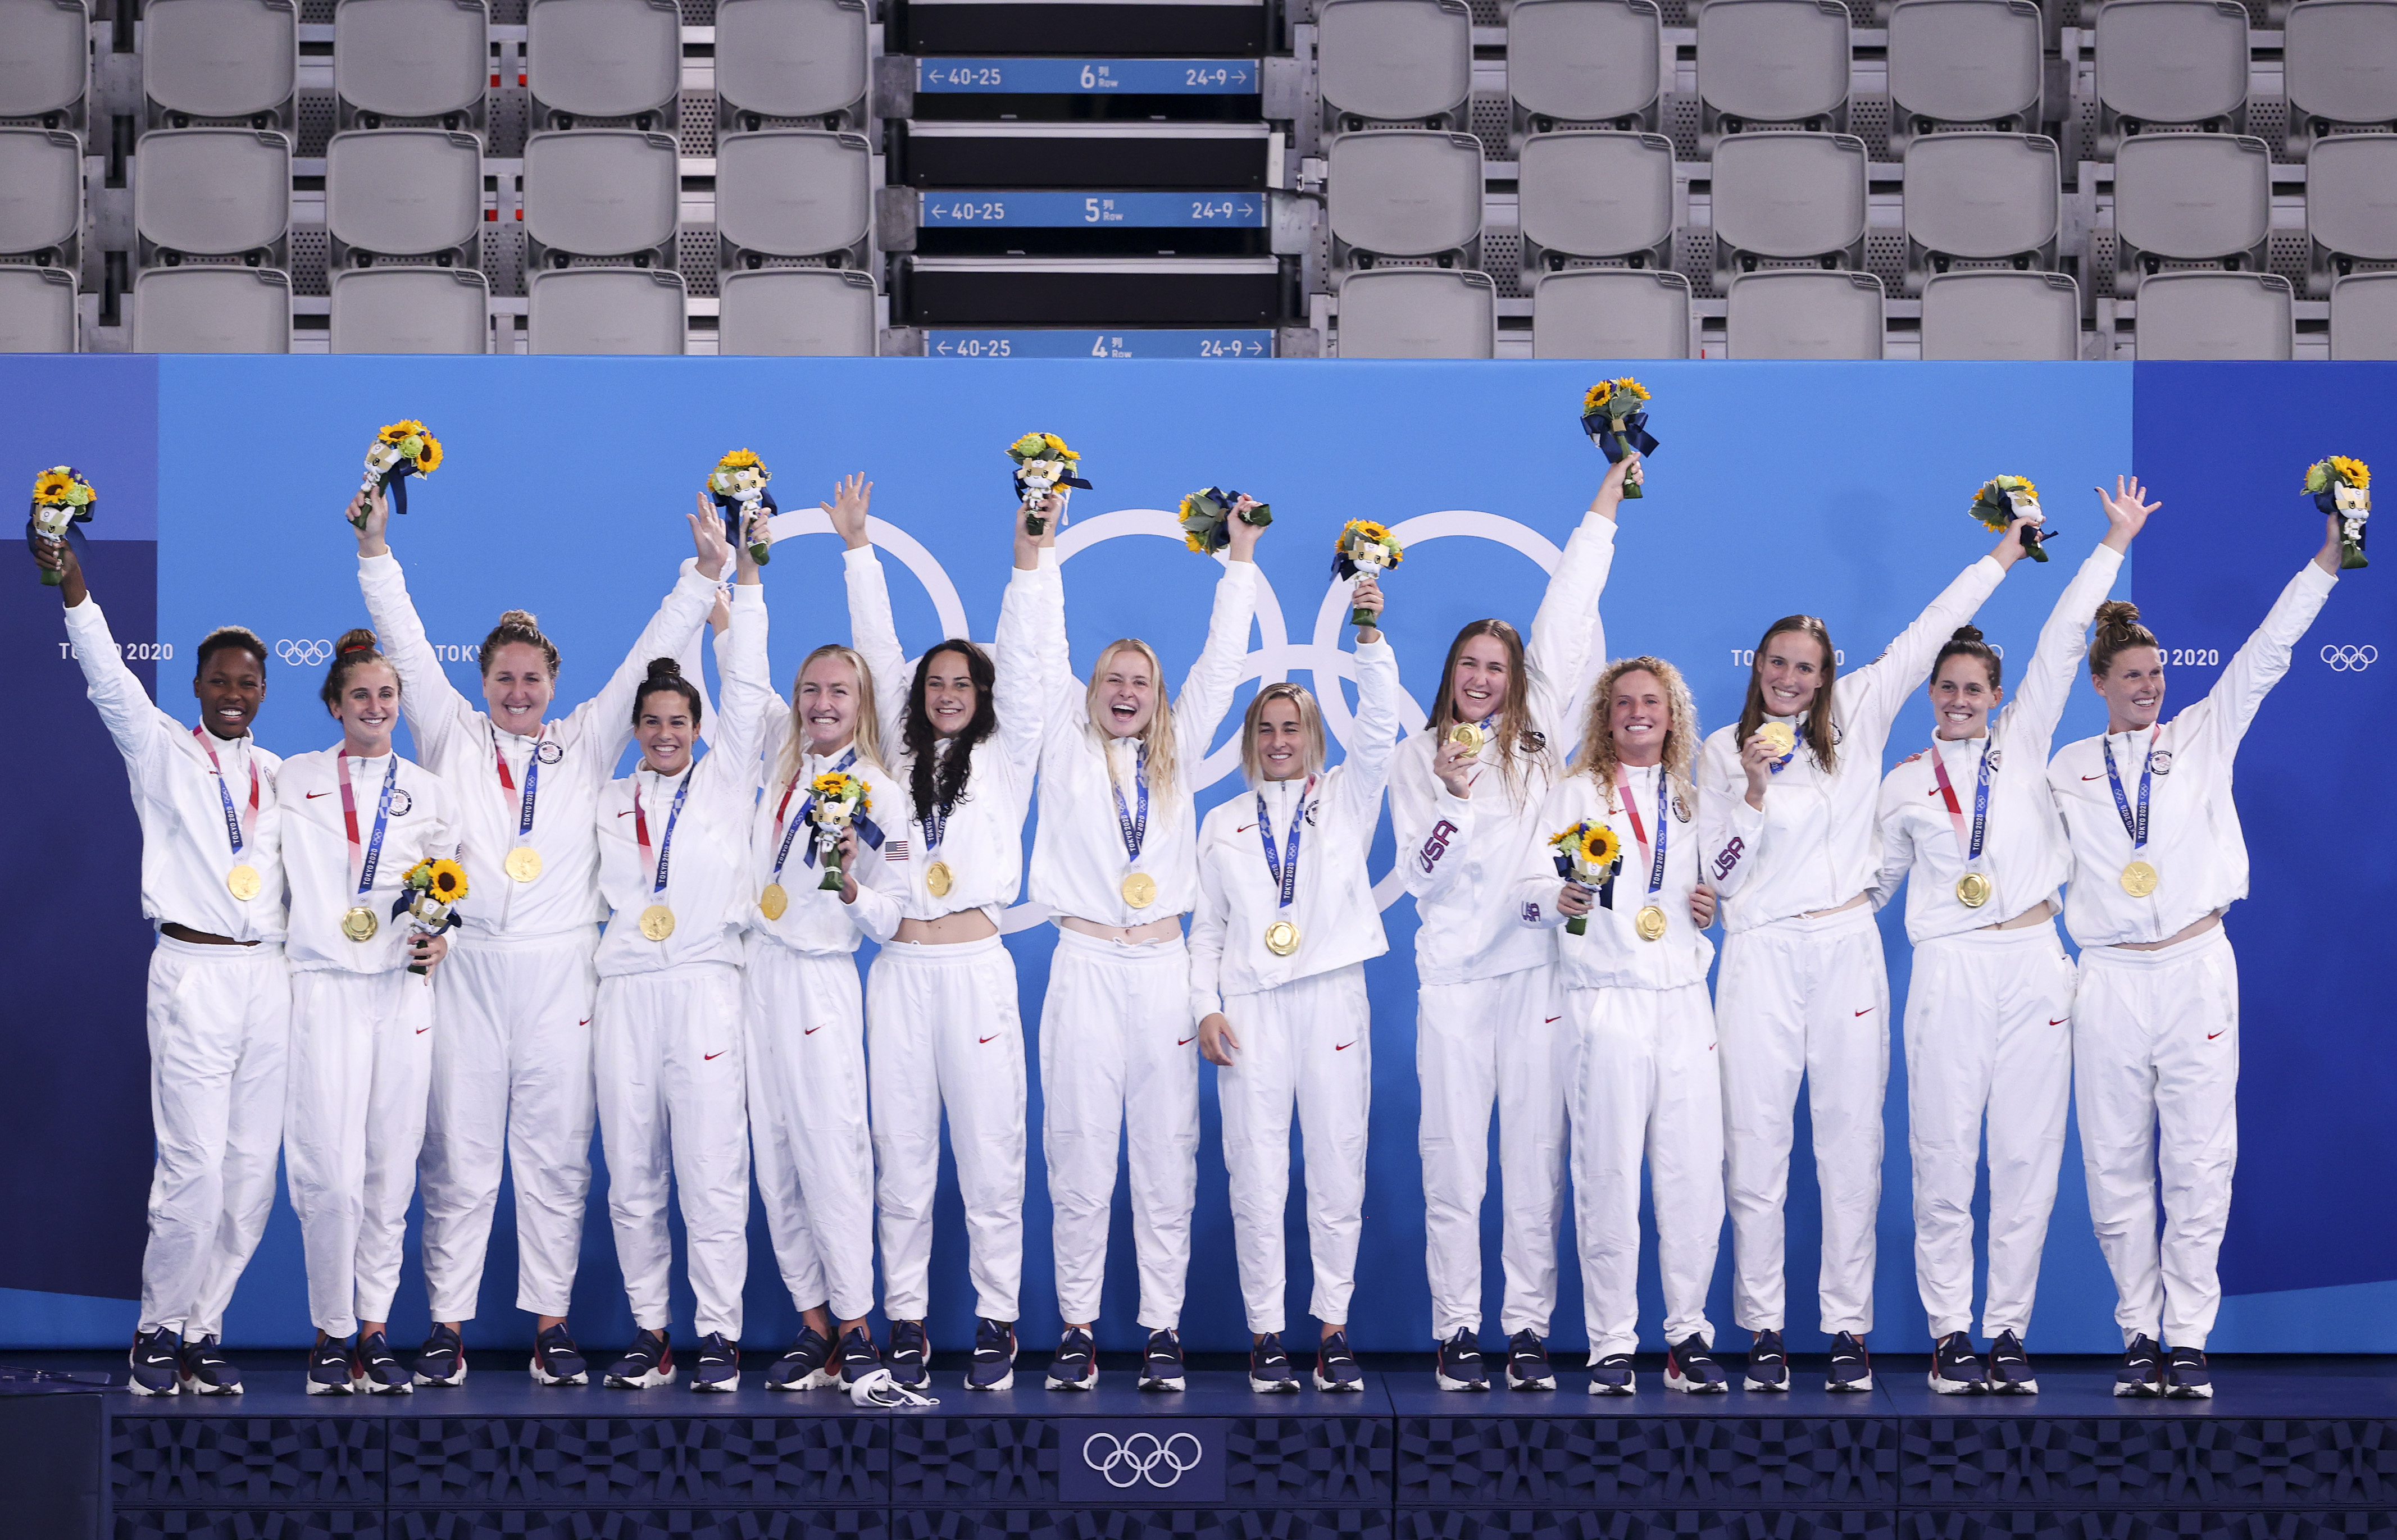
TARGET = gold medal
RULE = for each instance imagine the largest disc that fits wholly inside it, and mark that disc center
(243, 882)
(1782, 738)
(939, 878)
(657, 922)
(1650, 923)
(1139, 890)
(1468, 735)
(773, 901)
(2139, 879)
(358, 923)
(523, 863)
(1281, 938)
(1974, 889)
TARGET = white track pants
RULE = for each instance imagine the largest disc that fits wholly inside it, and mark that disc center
(219, 1024)
(943, 1033)
(361, 1060)
(511, 1074)
(1308, 1044)
(674, 1107)
(1804, 998)
(1646, 1082)
(2155, 1050)
(1501, 1043)
(813, 1149)
(1987, 1027)
(1120, 1064)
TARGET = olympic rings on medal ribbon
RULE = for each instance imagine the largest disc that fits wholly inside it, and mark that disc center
(2344, 660)
(1137, 1465)
(303, 653)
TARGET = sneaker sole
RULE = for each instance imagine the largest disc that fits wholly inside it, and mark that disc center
(2191, 1392)
(822, 1379)
(1776, 1388)
(1154, 1382)
(1956, 1387)
(1339, 1388)
(1446, 1383)
(1273, 1388)
(375, 1387)
(648, 1380)
(1855, 1387)
(194, 1386)
(731, 1383)
(457, 1379)
(2144, 1390)
(318, 1387)
(542, 1376)
(1696, 1387)
(1089, 1382)
(1600, 1388)
(140, 1389)
(1005, 1382)
(2013, 1387)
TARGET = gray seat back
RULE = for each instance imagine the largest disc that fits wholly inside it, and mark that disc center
(1393, 59)
(2188, 196)
(1611, 312)
(1797, 313)
(1773, 60)
(2363, 317)
(411, 310)
(220, 58)
(2339, 61)
(794, 192)
(37, 310)
(1404, 192)
(2352, 195)
(212, 309)
(1596, 193)
(1418, 312)
(2172, 60)
(605, 309)
(1965, 61)
(601, 191)
(790, 57)
(45, 56)
(1982, 196)
(212, 192)
(2212, 316)
(797, 312)
(1583, 60)
(411, 58)
(41, 189)
(2018, 315)
(404, 192)
(603, 58)
(1788, 196)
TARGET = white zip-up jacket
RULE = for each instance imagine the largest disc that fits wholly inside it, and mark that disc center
(1460, 855)
(1815, 843)
(317, 860)
(2023, 850)
(1610, 954)
(707, 870)
(1332, 906)
(982, 842)
(1078, 862)
(186, 850)
(816, 920)
(2194, 841)
(459, 741)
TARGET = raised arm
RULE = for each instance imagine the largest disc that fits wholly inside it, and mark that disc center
(1869, 699)
(871, 629)
(433, 705)
(670, 631)
(1357, 788)
(1207, 690)
(1026, 681)
(2037, 706)
(747, 703)
(2229, 707)
(145, 735)
(1566, 630)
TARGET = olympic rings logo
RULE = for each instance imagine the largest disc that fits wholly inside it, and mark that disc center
(1128, 1463)
(2345, 660)
(303, 653)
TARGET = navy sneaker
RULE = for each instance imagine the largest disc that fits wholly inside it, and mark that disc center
(1076, 1364)
(1456, 1363)
(1527, 1363)
(206, 1371)
(2143, 1368)
(1270, 1367)
(1851, 1365)
(329, 1368)
(2189, 1379)
(380, 1368)
(1336, 1365)
(719, 1364)
(442, 1360)
(1611, 1375)
(649, 1361)
(556, 1360)
(1160, 1366)
(859, 1357)
(2010, 1371)
(808, 1366)
(1768, 1364)
(1690, 1366)
(1955, 1368)
(994, 1355)
(157, 1361)
(911, 1355)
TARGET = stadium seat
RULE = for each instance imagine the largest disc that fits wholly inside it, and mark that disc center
(790, 59)
(2190, 198)
(610, 310)
(220, 59)
(423, 60)
(2015, 316)
(1980, 197)
(41, 195)
(2207, 315)
(1394, 62)
(212, 309)
(1595, 194)
(2350, 204)
(2170, 61)
(37, 310)
(403, 192)
(2363, 317)
(1417, 313)
(1772, 61)
(796, 312)
(603, 58)
(1788, 197)
(411, 310)
(212, 192)
(1794, 312)
(602, 193)
(1594, 62)
(2339, 66)
(44, 61)
(1963, 61)
(794, 192)
(1404, 193)
(1611, 312)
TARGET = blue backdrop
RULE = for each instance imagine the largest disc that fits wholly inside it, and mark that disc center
(1837, 490)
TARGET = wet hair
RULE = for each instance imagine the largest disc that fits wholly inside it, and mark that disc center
(2118, 630)
(1682, 738)
(1158, 736)
(667, 675)
(357, 648)
(1968, 643)
(1518, 742)
(518, 625)
(1310, 726)
(868, 734)
(239, 637)
(1818, 725)
(937, 780)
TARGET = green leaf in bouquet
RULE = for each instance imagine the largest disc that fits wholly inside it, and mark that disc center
(2318, 477)
(1260, 515)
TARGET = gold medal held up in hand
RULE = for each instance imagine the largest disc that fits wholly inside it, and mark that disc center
(1281, 938)
(939, 878)
(657, 922)
(523, 863)
(1139, 890)
(1467, 736)
(358, 923)
(1650, 923)
(773, 901)
(1782, 738)
(243, 882)
(2139, 879)
(1974, 889)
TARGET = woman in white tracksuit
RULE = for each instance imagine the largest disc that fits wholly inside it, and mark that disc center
(811, 1142)
(1787, 835)
(943, 1031)
(1643, 1076)
(1989, 1009)
(2157, 856)
(511, 1059)
(1489, 1030)
(1285, 922)
(1116, 865)
(356, 818)
(667, 1030)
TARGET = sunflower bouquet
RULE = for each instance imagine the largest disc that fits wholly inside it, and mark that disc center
(63, 499)
(1042, 464)
(1206, 517)
(400, 450)
(429, 895)
(2342, 487)
(1615, 414)
(1587, 854)
(836, 798)
(738, 485)
(1363, 546)
(2003, 498)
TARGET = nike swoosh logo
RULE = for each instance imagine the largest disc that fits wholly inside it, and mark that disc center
(423, 1030)
(1554, 1019)
(1244, 828)
(1350, 1043)
(812, 1032)
(711, 1058)
(2093, 778)
(314, 794)
(627, 814)
(2057, 1020)
(2211, 1036)
(585, 1021)
(1185, 1042)
(1867, 1011)
(992, 1039)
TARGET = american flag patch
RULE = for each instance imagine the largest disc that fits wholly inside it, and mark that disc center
(894, 850)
